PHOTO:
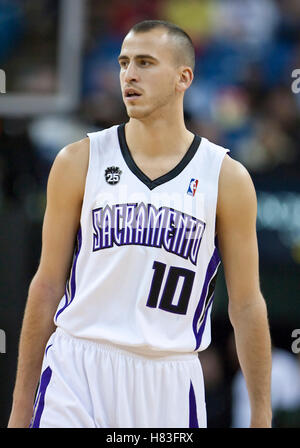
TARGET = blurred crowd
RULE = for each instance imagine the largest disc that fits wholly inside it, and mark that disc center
(241, 98)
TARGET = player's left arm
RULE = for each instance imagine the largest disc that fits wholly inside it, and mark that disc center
(236, 231)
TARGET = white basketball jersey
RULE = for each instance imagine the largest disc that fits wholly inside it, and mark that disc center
(146, 259)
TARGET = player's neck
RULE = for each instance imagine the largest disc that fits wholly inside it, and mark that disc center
(158, 137)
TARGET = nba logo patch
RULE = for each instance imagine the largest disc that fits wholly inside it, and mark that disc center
(192, 187)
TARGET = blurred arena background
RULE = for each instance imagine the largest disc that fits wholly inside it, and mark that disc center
(59, 58)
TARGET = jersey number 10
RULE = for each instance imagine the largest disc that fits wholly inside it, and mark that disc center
(171, 285)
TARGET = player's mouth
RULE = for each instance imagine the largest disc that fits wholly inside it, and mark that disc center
(131, 94)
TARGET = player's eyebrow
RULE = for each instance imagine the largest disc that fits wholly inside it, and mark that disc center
(123, 57)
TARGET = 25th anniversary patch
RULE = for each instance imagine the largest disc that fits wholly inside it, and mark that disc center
(112, 175)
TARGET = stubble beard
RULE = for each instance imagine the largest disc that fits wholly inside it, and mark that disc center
(155, 109)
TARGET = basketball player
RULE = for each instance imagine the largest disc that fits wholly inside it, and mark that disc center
(115, 325)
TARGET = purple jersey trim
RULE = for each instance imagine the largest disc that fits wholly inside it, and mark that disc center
(193, 420)
(48, 349)
(206, 298)
(40, 399)
(71, 284)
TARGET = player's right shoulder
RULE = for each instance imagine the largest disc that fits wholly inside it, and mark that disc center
(75, 153)
(70, 167)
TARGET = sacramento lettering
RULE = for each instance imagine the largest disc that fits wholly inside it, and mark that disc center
(144, 225)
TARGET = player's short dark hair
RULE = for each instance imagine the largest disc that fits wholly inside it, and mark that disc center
(184, 42)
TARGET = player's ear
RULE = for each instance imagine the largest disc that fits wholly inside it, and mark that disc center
(184, 79)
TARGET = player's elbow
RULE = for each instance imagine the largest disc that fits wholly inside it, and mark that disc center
(44, 289)
(252, 304)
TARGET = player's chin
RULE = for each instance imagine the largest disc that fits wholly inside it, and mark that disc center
(134, 112)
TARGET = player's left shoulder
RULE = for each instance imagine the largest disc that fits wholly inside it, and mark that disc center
(233, 172)
(236, 188)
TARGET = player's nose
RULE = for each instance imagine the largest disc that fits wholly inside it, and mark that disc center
(131, 73)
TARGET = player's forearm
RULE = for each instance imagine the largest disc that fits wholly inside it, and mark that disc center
(254, 352)
(36, 329)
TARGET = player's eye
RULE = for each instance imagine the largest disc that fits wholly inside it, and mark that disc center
(123, 64)
(144, 63)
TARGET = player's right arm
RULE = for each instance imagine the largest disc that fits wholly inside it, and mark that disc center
(65, 192)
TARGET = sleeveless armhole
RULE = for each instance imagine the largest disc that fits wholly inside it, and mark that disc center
(89, 174)
(222, 156)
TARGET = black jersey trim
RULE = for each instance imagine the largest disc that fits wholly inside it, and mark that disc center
(165, 177)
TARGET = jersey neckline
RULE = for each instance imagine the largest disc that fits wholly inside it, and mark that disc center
(165, 177)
